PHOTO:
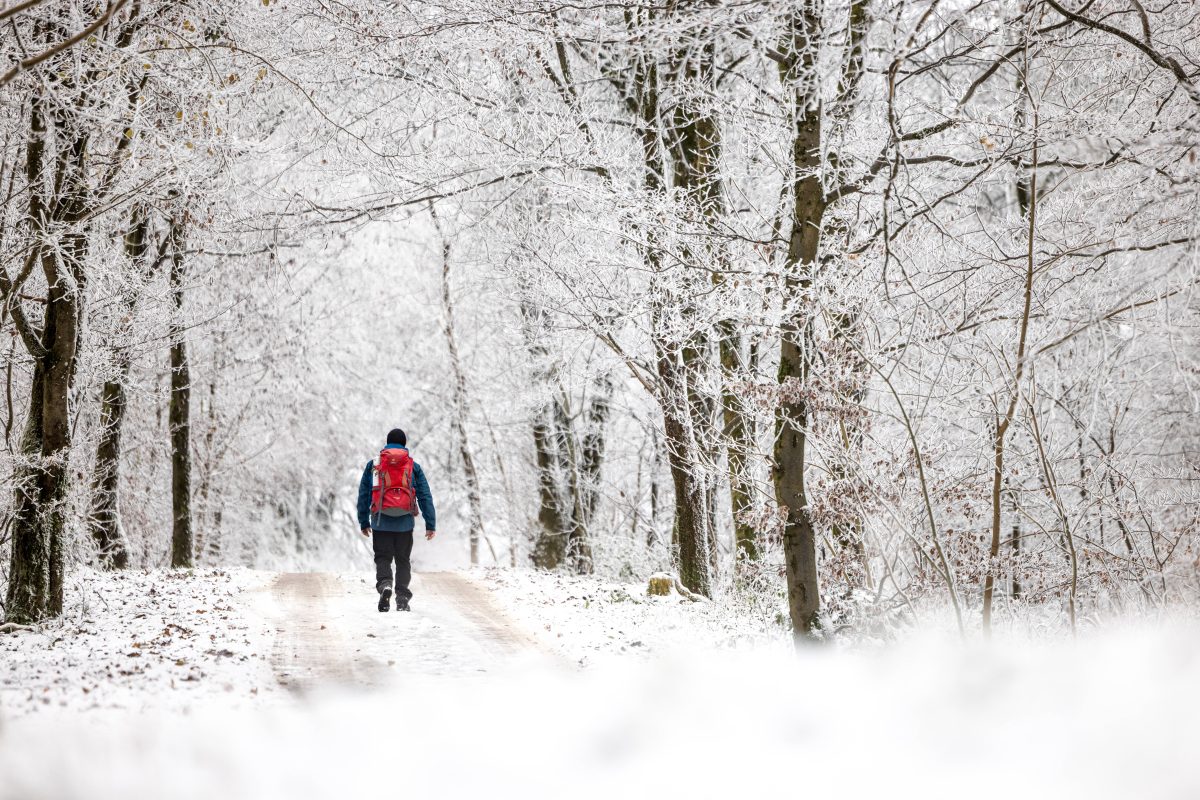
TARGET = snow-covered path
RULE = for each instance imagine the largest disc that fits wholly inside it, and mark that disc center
(328, 633)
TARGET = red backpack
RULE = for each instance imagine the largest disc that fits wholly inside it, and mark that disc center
(392, 492)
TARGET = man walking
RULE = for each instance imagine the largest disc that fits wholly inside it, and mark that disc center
(391, 491)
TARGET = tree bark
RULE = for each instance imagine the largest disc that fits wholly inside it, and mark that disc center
(549, 548)
(27, 599)
(595, 442)
(179, 412)
(692, 532)
(106, 513)
(801, 81)
(35, 589)
(739, 439)
(695, 143)
(550, 544)
(587, 470)
(695, 149)
(798, 74)
(656, 469)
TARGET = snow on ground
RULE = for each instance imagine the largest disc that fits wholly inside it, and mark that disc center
(714, 714)
(329, 634)
(587, 620)
(135, 640)
(1109, 718)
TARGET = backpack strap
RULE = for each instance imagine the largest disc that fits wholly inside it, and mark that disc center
(381, 476)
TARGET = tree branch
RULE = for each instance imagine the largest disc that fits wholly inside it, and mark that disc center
(18, 8)
(1165, 62)
(30, 336)
(22, 66)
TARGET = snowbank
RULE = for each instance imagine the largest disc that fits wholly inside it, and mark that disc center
(1114, 717)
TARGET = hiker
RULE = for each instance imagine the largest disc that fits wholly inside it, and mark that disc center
(392, 489)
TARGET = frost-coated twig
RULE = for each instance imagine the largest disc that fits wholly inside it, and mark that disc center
(1051, 480)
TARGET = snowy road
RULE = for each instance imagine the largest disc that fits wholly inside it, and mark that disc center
(329, 634)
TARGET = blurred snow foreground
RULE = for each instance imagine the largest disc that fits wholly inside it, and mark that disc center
(475, 702)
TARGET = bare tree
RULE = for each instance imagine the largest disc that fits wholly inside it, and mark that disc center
(458, 404)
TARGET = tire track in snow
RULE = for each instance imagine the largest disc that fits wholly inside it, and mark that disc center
(470, 600)
(329, 634)
(309, 650)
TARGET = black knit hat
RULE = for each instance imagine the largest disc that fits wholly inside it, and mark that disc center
(396, 436)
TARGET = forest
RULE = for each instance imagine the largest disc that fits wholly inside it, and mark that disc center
(843, 312)
(808, 390)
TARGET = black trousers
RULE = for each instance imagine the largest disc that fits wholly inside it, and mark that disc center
(391, 546)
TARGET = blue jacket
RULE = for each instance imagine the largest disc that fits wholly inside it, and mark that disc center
(395, 524)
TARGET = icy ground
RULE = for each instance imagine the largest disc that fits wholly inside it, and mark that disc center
(480, 693)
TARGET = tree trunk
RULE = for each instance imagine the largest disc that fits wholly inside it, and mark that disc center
(549, 548)
(586, 483)
(106, 514)
(178, 416)
(459, 404)
(1003, 423)
(36, 576)
(694, 143)
(656, 470)
(693, 537)
(35, 589)
(692, 530)
(696, 148)
(550, 544)
(739, 442)
(798, 337)
(27, 599)
(9, 408)
(1015, 544)
(594, 443)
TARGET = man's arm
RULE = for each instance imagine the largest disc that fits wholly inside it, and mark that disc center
(364, 501)
(424, 500)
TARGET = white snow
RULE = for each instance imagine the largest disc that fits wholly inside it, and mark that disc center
(588, 620)
(1112, 715)
(331, 636)
(132, 640)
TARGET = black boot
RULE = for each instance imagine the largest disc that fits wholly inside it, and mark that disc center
(385, 596)
(402, 603)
